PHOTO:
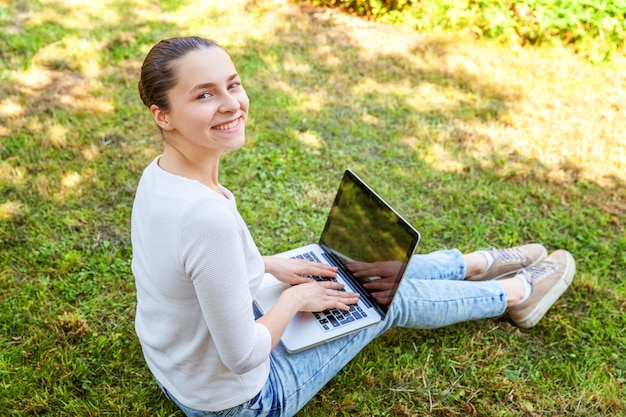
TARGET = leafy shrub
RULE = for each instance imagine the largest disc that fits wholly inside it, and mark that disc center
(593, 28)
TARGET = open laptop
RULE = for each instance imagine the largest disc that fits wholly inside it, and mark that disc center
(361, 227)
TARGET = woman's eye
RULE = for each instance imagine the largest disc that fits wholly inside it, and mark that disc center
(235, 85)
(204, 95)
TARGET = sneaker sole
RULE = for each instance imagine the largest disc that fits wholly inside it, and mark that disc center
(550, 298)
(543, 256)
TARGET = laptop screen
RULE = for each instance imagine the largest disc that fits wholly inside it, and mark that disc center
(367, 235)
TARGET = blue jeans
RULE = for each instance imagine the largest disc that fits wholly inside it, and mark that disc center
(432, 294)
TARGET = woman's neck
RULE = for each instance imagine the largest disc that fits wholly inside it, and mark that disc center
(202, 167)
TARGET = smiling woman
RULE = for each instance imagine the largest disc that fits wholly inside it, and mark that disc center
(197, 267)
(201, 114)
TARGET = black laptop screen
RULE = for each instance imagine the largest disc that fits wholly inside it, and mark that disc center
(363, 228)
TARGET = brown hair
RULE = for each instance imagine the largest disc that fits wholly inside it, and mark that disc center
(158, 72)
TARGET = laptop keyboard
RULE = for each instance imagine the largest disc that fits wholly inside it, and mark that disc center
(332, 318)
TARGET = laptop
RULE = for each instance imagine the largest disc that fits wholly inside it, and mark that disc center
(361, 228)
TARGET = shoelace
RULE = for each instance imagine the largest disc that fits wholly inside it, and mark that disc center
(509, 255)
(540, 271)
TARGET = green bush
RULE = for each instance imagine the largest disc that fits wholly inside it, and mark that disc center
(595, 29)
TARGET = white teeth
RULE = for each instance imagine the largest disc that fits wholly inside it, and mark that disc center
(227, 125)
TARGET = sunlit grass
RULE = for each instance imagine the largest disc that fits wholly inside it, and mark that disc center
(475, 143)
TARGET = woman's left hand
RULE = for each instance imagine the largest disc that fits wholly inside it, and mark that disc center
(297, 271)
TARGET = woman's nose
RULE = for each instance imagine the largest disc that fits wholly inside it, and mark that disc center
(229, 103)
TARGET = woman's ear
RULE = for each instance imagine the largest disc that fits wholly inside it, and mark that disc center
(160, 117)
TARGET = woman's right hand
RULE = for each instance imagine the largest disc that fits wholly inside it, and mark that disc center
(319, 296)
(310, 296)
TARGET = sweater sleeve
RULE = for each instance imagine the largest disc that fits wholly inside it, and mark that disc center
(212, 250)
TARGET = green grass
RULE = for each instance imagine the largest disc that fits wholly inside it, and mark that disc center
(473, 142)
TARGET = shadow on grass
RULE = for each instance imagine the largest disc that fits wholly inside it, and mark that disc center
(72, 155)
(571, 212)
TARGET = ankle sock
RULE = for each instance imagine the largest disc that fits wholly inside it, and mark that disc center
(489, 257)
(528, 288)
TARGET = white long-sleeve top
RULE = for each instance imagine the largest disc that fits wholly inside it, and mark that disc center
(196, 269)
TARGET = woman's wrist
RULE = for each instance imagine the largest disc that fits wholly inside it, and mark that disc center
(292, 300)
(268, 261)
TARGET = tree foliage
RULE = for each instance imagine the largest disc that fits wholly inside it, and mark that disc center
(595, 29)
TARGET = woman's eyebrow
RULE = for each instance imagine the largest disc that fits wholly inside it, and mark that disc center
(211, 84)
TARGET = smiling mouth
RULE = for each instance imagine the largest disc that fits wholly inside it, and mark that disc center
(229, 125)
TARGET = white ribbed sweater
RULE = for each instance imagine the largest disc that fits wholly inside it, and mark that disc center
(196, 268)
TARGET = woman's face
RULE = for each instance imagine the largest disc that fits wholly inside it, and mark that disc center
(209, 106)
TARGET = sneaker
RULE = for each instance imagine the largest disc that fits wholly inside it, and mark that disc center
(549, 279)
(510, 261)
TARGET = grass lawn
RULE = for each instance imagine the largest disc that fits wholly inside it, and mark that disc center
(475, 143)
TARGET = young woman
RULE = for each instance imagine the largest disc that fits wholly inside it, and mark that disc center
(197, 268)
